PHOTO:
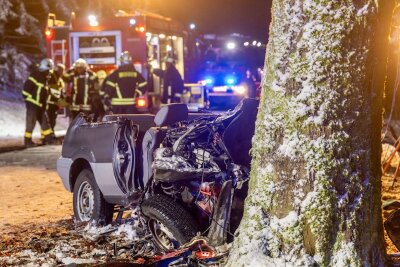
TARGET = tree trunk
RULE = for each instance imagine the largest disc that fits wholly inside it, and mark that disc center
(314, 197)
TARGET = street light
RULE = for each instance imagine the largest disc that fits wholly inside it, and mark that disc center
(246, 44)
(258, 44)
(231, 45)
(192, 26)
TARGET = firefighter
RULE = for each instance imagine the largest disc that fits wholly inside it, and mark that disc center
(84, 87)
(173, 85)
(123, 86)
(250, 81)
(56, 86)
(35, 94)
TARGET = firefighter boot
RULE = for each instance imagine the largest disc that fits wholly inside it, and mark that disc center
(42, 138)
(51, 140)
(28, 142)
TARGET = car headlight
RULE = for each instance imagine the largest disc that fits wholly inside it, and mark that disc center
(240, 89)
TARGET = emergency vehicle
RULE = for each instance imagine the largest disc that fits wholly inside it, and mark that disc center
(148, 37)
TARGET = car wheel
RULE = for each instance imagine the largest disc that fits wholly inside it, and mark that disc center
(88, 201)
(169, 223)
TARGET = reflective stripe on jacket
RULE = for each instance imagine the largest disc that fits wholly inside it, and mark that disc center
(83, 86)
(35, 88)
(123, 86)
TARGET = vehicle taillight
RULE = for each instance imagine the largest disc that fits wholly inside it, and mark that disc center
(140, 29)
(49, 34)
(142, 102)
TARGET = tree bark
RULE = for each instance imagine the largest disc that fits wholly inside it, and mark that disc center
(314, 197)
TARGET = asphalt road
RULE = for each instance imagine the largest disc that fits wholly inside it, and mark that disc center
(35, 217)
(41, 156)
(31, 188)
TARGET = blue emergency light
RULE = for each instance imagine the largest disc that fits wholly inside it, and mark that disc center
(230, 81)
(209, 81)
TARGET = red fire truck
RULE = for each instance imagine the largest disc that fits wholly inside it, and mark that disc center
(147, 36)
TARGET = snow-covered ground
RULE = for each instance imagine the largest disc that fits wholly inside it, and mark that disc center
(62, 245)
(12, 122)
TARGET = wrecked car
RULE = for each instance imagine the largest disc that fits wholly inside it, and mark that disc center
(184, 174)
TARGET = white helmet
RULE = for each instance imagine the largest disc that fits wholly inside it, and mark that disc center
(46, 64)
(80, 63)
(125, 58)
(60, 66)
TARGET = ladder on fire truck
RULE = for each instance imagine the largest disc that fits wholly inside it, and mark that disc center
(59, 51)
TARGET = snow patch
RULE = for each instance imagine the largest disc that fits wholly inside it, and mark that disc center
(12, 121)
(284, 223)
(346, 256)
(128, 230)
(363, 11)
(69, 260)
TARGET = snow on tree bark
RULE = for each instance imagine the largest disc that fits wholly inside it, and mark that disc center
(314, 195)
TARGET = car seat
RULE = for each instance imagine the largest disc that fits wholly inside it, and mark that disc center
(166, 116)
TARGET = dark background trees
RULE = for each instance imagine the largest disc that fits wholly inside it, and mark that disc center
(22, 26)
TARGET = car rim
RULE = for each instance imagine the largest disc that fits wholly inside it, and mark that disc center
(85, 201)
(162, 236)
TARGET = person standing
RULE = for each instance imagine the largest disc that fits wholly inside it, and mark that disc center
(172, 82)
(84, 87)
(250, 81)
(56, 86)
(35, 94)
(123, 86)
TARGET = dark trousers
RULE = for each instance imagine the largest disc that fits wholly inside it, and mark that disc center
(36, 114)
(124, 109)
(52, 115)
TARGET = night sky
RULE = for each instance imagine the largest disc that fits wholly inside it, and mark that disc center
(249, 17)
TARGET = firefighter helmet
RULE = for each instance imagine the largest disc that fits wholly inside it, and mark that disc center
(46, 64)
(125, 58)
(59, 69)
(60, 66)
(80, 63)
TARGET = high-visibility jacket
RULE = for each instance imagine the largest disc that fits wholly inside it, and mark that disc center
(35, 88)
(56, 86)
(83, 87)
(123, 86)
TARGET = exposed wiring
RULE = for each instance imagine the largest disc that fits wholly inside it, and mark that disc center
(203, 165)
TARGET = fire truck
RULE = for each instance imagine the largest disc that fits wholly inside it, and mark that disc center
(148, 37)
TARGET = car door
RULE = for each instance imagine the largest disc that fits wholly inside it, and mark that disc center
(124, 156)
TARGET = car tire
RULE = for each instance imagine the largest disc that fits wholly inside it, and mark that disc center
(88, 201)
(170, 224)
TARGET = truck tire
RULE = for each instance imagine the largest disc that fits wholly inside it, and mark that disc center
(88, 201)
(170, 224)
